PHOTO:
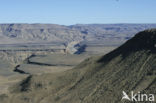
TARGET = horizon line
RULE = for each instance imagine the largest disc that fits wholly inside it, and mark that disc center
(77, 23)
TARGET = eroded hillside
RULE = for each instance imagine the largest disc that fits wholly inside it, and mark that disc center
(52, 33)
(131, 67)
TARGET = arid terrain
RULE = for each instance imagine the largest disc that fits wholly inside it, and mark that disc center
(49, 63)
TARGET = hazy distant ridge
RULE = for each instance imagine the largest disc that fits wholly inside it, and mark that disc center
(47, 33)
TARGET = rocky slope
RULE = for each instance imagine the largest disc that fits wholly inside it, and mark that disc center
(131, 67)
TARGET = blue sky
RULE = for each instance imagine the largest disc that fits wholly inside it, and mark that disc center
(68, 12)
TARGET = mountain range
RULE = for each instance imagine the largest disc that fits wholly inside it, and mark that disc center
(53, 33)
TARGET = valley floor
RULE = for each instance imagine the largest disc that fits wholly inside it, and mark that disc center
(38, 62)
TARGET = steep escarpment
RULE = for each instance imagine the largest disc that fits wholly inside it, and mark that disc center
(131, 67)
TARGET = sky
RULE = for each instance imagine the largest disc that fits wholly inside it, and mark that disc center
(69, 12)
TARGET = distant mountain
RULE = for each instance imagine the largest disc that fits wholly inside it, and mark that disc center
(131, 67)
(51, 33)
(38, 33)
